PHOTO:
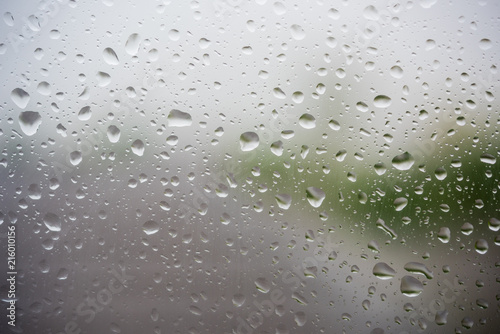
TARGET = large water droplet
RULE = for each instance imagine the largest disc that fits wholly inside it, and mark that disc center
(75, 157)
(110, 56)
(29, 122)
(419, 268)
(307, 121)
(396, 72)
(239, 300)
(297, 32)
(262, 285)
(481, 246)
(85, 114)
(315, 196)
(249, 141)
(138, 147)
(400, 203)
(383, 271)
(20, 97)
(382, 101)
(52, 222)
(150, 227)
(488, 159)
(113, 133)
(403, 161)
(132, 44)
(177, 118)
(441, 317)
(485, 44)
(278, 93)
(444, 235)
(284, 201)
(410, 286)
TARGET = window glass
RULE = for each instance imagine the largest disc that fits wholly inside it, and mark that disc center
(249, 166)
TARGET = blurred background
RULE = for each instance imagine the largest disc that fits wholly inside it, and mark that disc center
(251, 166)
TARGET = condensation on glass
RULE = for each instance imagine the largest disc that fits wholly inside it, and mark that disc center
(249, 166)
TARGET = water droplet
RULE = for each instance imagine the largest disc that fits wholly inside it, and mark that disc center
(52, 222)
(403, 161)
(279, 8)
(278, 93)
(110, 56)
(113, 133)
(371, 13)
(298, 97)
(249, 141)
(410, 286)
(262, 284)
(441, 317)
(334, 125)
(62, 274)
(400, 203)
(75, 157)
(315, 196)
(297, 32)
(419, 268)
(138, 147)
(300, 318)
(204, 43)
(20, 97)
(485, 44)
(177, 118)
(481, 246)
(103, 79)
(427, 3)
(488, 159)
(380, 168)
(383, 271)
(494, 224)
(444, 234)
(85, 114)
(29, 122)
(440, 173)
(361, 106)
(239, 300)
(44, 88)
(396, 72)
(482, 303)
(150, 227)
(284, 201)
(34, 192)
(307, 121)
(277, 148)
(174, 35)
(382, 101)
(132, 44)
